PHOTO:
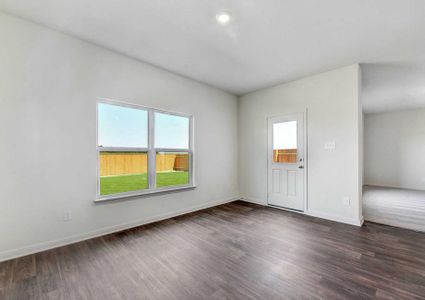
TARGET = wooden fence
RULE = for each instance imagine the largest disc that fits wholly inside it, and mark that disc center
(120, 163)
(285, 155)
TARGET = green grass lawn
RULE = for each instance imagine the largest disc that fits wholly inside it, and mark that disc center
(125, 183)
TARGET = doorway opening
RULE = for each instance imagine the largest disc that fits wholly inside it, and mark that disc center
(394, 177)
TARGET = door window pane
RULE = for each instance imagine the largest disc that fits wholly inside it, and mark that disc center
(285, 142)
(120, 126)
(123, 172)
(171, 131)
(172, 168)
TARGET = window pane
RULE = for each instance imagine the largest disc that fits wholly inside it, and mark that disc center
(120, 126)
(123, 172)
(172, 168)
(285, 142)
(171, 131)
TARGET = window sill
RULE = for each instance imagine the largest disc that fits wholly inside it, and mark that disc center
(144, 193)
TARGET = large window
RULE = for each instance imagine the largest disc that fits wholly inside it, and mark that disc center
(142, 150)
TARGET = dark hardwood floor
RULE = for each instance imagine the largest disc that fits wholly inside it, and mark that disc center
(234, 251)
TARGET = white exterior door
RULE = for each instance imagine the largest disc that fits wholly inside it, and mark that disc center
(286, 161)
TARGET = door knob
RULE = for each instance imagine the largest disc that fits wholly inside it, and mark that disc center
(301, 167)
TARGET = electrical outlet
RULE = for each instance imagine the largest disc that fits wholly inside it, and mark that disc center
(346, 201)
(67, 215)
(330, 145)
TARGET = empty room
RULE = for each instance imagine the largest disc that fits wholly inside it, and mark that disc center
(394, 145)
(212, 149)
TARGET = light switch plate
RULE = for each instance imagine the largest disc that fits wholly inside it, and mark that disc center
(67, 216)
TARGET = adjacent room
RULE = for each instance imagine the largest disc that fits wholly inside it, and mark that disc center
(394, 144)
(212, 149)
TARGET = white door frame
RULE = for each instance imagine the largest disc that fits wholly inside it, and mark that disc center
(305, 117)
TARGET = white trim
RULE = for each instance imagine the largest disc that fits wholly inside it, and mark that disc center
(165, 189)
(43, 246)
(122, 149)
(171, 150)
(254, 200)
(150, 150)
(192, 151)
(286, 209)
(392, 186)
(306, 159)
(315, 214)
(336, 218)
(304, 115)
(262, 203)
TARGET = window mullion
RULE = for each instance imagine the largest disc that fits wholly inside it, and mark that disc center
(191, 158)
(121, 149)
(151, 151)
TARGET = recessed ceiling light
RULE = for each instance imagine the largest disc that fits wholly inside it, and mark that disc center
(224, 17)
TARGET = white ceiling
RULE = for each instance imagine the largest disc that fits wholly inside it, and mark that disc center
(267, 42)
(395, 86)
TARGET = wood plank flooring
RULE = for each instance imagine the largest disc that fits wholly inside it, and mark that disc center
(396, 207)
(233, 251)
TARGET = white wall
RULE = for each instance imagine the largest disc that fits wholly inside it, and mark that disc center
(334, 114)
(395, 149)
(49, 83)
(361, 141)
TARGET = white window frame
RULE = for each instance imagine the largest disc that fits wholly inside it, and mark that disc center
(150, 150)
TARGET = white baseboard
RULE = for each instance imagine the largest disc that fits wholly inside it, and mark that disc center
(253, 200)
(336, 218)
(27, 250)
(394, 186)
(315, 214)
